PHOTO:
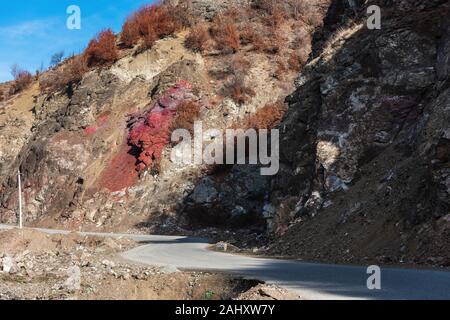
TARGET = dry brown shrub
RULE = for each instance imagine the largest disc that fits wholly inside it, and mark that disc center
(235, 14)
(75, 69)
(297, 60)
(102, 50)
(263, 5)
(148, 41)
(238, 65)
(275, 41)
(69, 73)
(183, 14)
(228, 39)
(225, 33)
(198, 38)
(150, 23)
(22, 79)
(277, 17)
(238, 90)
(267, 117)
(253, 34)
(310, 13)
(281, 69)
(186, 114)
(130, 33)
(302, 36)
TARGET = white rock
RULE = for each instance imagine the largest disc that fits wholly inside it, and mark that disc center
(73, 283)
(108, 263)
(9, 265)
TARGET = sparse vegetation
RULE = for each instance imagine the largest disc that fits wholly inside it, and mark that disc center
(56, 58)
(149, 24)
(209, 295)
(238, 90)
(267, 117)
(238, 65)
(226, 35)
(102, 50)
(187, 113)
(198, 38)
(67, 74)
(22, 79)
(281, 69)
(252, 34)
(263, 27)
(257, 27)
(297, 60)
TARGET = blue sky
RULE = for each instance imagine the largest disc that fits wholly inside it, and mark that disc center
(31, 31)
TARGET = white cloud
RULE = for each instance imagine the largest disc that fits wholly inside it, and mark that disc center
(27, 29)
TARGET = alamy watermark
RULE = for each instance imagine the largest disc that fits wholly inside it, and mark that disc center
(230, 146)
(374, 280)
(374, 19)
(73, 22)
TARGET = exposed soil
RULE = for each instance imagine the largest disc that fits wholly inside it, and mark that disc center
(34, 265)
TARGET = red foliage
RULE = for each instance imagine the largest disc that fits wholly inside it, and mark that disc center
(89, 131)
(102, 50)
(121, 172)
(148, 136)
(151, 137)
(100, 124)
(150, 133)
(149, 23)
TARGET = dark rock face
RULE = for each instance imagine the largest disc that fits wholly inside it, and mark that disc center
(53, 161)
(371, 100)
(233, 200)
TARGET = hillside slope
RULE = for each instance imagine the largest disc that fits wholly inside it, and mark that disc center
(364, 174)
(96, 154)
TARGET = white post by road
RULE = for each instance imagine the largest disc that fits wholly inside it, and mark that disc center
(20, 201)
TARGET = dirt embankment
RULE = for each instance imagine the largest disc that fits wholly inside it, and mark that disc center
(34, 265)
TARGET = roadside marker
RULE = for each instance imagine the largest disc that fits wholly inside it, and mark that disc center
(20, 201)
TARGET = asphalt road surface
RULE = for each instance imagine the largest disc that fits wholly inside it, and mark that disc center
(309, 280)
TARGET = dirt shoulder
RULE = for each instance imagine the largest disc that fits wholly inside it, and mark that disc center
(37, 266)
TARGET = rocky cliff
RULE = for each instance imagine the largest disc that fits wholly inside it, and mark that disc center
(364, 172)
(365, 143)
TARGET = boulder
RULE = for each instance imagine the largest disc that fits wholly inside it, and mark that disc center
(73, 282)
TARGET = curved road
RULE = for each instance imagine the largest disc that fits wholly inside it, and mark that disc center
(309, 280)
